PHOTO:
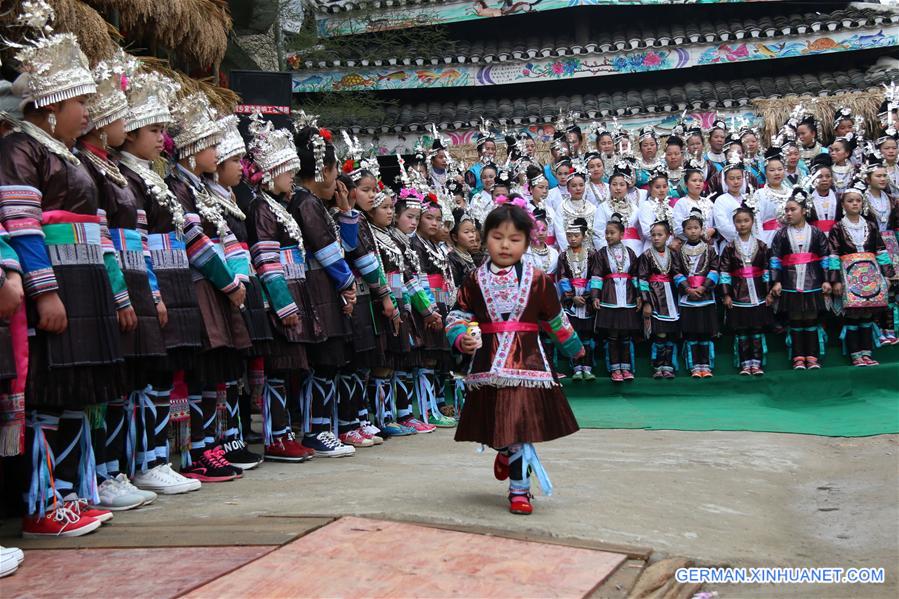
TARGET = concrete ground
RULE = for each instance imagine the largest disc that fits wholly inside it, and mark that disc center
(721, 498)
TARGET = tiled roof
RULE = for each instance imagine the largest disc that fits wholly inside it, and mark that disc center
(594, 38)
(694, 96)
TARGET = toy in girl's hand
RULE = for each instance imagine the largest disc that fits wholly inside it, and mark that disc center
(474, 331)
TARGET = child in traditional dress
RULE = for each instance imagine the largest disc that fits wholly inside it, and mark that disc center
(513, 399)
(878, 205)
(466, 243)
(797, 276)
(575, 266)
(656, 269)
(744, 286)
(615, 292)
(697, 276)
(856, 244)
(825, 208)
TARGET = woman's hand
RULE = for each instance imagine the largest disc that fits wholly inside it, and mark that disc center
(776, 290)
(468, 344)
(342, 197)
(51, 313)
(728, 302)
(11, 295)
(127, 319)
(291, 321)
(162, 313)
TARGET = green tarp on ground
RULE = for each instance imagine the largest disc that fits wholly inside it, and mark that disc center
(836, 401)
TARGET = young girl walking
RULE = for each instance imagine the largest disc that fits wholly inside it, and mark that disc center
(744, 286)
(513, 398)
(615, 292)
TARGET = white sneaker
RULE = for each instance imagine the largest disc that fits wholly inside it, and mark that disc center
(8, 563)
(162, 479)
(115, 498)
(13, 551)
(122, 480)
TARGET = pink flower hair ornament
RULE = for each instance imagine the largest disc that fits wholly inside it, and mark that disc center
(408, 192)
(518, 202)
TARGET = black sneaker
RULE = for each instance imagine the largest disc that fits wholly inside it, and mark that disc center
(238, 454)
(208, 468)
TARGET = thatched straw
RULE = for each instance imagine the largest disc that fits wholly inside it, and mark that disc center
(775, 112)
(223, 99)
(195, 29)
(97, 38)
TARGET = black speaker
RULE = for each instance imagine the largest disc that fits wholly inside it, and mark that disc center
(266, 92)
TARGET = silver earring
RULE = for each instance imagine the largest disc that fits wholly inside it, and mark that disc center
(192, 162)
(51, 119)
(104, 139)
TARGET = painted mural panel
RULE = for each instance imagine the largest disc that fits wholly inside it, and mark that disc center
(405, 16)
(592, 65)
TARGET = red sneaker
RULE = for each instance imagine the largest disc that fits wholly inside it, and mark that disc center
(870, 361)
(61, 522)
(811, 363)
(859, 362)
(616, 377)
(696, 373)
(707, 374)
(627, 375)
(286, 449)
(80, 507)
(419, 426)
(501, 466)
(756, 371)
(799, 363)
(520, 504)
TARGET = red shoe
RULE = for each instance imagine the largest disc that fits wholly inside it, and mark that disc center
(286, 449)
(707, 374)
(79, 506)
(756, 371)
(418, 425)
(696, 373)
(627, 375)
(520, 504)
(799, 363)
(61, 522)
(869, 361)
(811, 363)
(616, 377)
(859, 362)
(501, 466)
(746, 371)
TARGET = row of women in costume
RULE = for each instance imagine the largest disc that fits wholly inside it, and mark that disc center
(583, 204)
(138, 303)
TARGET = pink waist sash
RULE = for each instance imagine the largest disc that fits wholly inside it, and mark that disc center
(58, 217)
(659, 278)
(802, 258)
(695, 281)
(617, 275)
(825, 225)
(748, 272)
(509, 327)
(579, 282)
(771, 225)
(631, 233)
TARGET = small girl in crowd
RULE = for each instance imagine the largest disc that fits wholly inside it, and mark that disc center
(697, 276)
(744, 286)
(825, 202)
(597, 185)
(656, 269)
(856, 246)
(575, 265)
(615, 291)
(513, 398)
(466, 243)
(544, 256)
(797, 275)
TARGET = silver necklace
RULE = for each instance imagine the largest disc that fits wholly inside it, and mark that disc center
(158, 190)
(284, 218)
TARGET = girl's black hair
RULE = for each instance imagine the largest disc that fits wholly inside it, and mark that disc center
(581, 223)
(460, 215)
(616, 220)
(662, 223)
(400, 205)
(602, 134)
(674, 140)
(614, 174)
(303, 142)
(491, 166)
(576, 174)
(696, 215)
(744, 209)
(347, 180)
(691, 173)
(512, 214)
(532, 171)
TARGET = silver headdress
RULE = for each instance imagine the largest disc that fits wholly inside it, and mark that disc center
(664, 214)
(110, 103)
(355, 161)
(149, 95)
(53, 66)
(272, 149)
(232, 143)
(195, 126)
